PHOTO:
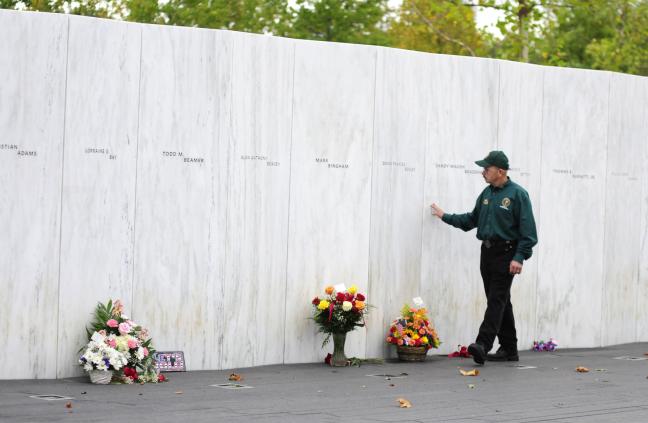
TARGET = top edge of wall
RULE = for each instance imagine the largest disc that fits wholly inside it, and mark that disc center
(302, 41)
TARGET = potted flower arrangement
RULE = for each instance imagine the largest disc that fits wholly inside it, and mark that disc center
(413, 334)
(100, 359)
(125, 347)
(337, 313)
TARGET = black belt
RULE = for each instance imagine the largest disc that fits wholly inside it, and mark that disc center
(489, 243)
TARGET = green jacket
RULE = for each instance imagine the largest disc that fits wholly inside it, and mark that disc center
(501, 213)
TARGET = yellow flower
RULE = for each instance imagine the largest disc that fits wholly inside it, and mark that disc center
(353, 289)
(323, 305)
(424, 340)
(415, 337)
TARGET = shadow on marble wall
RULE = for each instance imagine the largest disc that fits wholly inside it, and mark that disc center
(216, 181)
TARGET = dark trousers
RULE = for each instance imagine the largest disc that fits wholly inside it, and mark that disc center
(498, 319)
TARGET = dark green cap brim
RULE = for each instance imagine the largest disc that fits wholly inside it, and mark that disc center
(482, 163)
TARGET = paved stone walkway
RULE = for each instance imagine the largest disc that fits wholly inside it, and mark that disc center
(546, 389)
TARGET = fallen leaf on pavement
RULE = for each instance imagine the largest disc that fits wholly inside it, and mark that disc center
(235, 377)
(473, 372)
(581, 369)
(68, 404)
(178, 392)
(403, 403)
(601, 370)
(471, 386)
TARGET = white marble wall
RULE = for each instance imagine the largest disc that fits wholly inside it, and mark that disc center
(572, 206)
(257, 212)
(32, 105)
(217, 181)
(181, 197)
(626, 141)
(519, 134)
(463, 128)
(642, 283)
(400, 132)
(98, 175)
(330, 185)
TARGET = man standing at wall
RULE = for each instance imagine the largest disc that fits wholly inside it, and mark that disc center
(505, 225)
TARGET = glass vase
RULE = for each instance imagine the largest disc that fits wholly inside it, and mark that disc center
(339, 359)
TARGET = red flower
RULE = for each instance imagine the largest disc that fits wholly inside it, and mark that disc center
(360, 297)
(161, 378)
(331, 307)
(316, 301)
(340, 296)
(349, 297)
(130, 372)
(463, 352)
(327, 360)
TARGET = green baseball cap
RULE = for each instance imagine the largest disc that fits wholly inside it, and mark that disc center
(495, 158)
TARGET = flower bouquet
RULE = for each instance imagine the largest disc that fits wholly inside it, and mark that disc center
(545, 346)
(413, 334)
(339, 312)
(121, 344)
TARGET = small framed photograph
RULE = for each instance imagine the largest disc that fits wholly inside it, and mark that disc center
(170, 361)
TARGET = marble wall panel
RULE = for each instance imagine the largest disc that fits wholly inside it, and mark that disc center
(32, 104)
(330, 186)
(572, 205)
(463, 128)
(181, 190)
(642, 285)
(400, 134)
(98, 176)
(626, 137)
(519, 136)
(258, 201)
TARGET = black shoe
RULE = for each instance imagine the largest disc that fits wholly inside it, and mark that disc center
(478, 353)
(503, 355)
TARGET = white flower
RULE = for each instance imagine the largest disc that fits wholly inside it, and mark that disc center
(347, 306)
(97, 337)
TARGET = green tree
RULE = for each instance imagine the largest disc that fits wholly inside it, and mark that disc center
(260, 16)
(438, 27)
(348, 21)
(597, 34)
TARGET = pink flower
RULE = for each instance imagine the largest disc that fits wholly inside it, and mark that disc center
(112, 343)
(132, 343)
(124, 328)
(112, 323)
(102, 332)
(145, 352)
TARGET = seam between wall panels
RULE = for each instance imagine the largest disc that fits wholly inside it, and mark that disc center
(222, 266)
(292, 116)
(537, 277)
(499, 101)
(603, 303)
(139, 113)
(371, 182)
(426, 140)
(58, 289)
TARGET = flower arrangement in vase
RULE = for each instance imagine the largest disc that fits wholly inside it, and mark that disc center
(339, 312)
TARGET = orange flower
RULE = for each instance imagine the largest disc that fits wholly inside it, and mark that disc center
(360, 305)
(400, 342)
(329, 290)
